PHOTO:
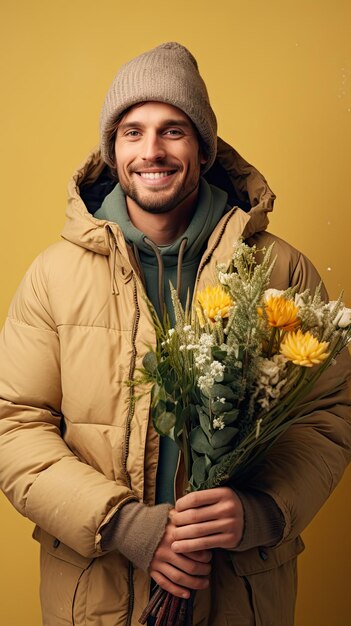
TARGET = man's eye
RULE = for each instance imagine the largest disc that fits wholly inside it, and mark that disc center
(132, 133)
(174, 132)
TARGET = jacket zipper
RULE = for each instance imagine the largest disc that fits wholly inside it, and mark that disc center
(128, 429)
(127, 437)
(131, 392)
(131, 370)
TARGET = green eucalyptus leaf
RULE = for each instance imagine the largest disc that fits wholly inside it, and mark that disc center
(192, 484)
(217, 454)
(200, 469)
(163, 394)
(164, 422)
(223, 437)
(199, 441)
(219, 354)
(205, 423)
(230, 416)
(155, 393)
(205, 406)
(159, 408)
(182, 416)
(150, 362)
(221, 391)
(170, 385)
(221, 407)
(194, 455)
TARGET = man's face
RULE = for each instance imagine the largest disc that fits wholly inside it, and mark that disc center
(158, 157)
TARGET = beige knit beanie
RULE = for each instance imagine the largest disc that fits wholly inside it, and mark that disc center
(168, 73)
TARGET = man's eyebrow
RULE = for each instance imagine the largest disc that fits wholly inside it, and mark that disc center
(176, 122)
(163, 124)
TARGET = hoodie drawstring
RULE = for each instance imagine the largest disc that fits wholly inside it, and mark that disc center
(182, 247)
(161, 292)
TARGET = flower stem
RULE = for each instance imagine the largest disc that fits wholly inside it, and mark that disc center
(156, 598)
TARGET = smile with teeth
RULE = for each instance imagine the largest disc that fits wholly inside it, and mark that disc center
(154, 175)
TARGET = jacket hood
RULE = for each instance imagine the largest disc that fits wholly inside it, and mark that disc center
(92, 181)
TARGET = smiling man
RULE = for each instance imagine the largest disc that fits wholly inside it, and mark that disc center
(162, 200)
(158, 159)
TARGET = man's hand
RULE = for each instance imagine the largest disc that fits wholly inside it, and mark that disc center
(208, 519)
(177, 573)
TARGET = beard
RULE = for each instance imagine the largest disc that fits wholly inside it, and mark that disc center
(158, 201)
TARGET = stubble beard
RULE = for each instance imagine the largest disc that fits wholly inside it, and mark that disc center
(158, 200)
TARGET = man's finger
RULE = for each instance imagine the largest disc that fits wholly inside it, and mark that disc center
(198, 498)
(192, 531)
(181, 578)
(196, 515)
(203, 556)
(209, 542)
(166, 584)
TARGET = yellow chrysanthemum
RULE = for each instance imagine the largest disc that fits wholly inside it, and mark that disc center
(304, 349)
(215, 303)
(281, 313)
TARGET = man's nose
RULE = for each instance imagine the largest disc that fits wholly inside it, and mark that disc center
(153, 147)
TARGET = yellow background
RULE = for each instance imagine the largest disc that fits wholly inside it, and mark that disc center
(279, 76)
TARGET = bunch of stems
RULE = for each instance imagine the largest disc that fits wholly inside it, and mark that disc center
(169, 610)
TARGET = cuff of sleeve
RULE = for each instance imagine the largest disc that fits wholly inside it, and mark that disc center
(135, 531)
(263, 520)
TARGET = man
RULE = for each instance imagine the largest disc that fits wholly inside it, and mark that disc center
(79, 456)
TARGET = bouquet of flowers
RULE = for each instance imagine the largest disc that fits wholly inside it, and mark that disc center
(230, 377)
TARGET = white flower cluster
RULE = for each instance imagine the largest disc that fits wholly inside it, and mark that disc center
(271, 378)
(218, 423)
(188, 336)
(221, 400)
(203, 350)
(214, 373)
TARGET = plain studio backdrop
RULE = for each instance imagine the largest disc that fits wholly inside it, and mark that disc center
(279, 78)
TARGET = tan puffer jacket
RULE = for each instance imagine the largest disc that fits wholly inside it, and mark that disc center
(75, 446)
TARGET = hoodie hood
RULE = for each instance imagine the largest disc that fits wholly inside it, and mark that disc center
(247, 189)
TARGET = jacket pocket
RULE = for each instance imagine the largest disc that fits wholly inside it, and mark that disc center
(270, 576)
(64, 577)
